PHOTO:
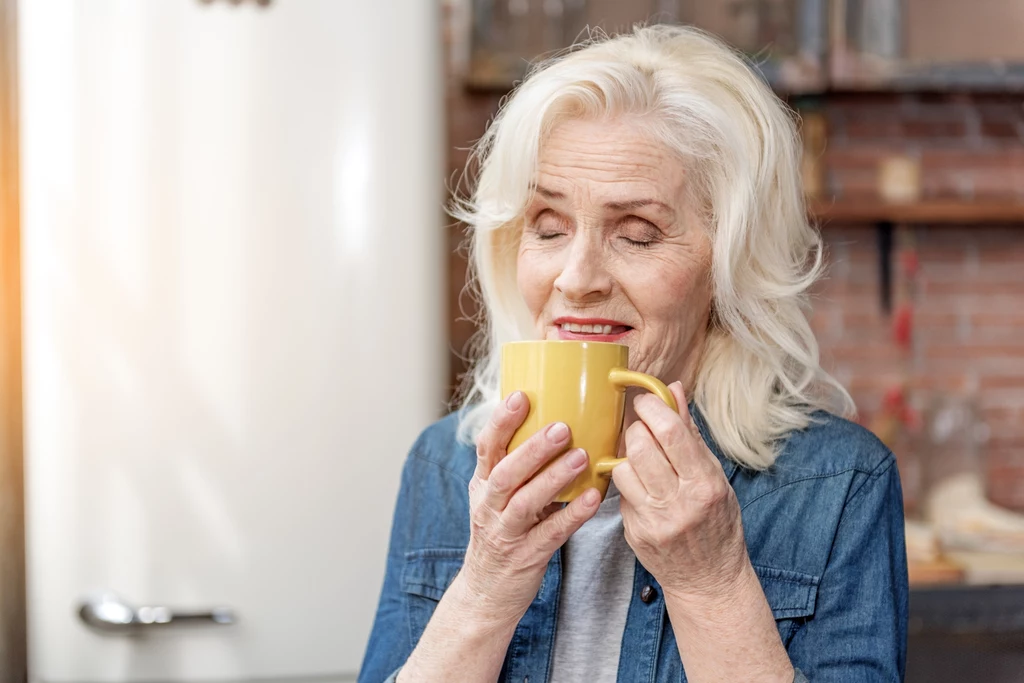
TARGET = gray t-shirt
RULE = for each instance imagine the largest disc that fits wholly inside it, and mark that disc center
(597, 583)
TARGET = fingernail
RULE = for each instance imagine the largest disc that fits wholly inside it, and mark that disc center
(577, 458)
(514, 400)
(558, 432)
(591, 497)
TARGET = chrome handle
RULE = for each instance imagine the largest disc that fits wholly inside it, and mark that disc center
(107, 612)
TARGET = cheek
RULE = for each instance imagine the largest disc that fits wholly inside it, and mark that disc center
(535, 279)
(672, 295)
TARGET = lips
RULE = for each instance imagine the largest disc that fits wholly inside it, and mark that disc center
(593, 329)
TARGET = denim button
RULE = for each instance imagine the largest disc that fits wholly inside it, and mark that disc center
(648, 594)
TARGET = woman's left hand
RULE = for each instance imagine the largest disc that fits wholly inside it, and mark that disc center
(680, 513)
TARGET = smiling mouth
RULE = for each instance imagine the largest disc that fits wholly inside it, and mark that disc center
(576, 328)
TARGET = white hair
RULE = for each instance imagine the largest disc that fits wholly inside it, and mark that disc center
(759, 375)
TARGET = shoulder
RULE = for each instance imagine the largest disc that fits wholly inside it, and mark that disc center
(831, 445)
(792, 512)
(823, 464)
(438, 447)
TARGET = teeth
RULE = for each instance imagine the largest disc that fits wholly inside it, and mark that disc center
(587, 329)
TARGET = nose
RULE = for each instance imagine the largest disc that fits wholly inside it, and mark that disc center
(584, 275)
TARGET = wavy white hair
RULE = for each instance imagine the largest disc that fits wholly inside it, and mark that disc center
(759, 375)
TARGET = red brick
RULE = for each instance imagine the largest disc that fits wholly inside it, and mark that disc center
(998, 110)
(980, 287)
(854, 183)
(872, 128)
(876, 351)
(931, 320)
(947, 184)
(1002, 382)
(1004, 131)
(861, 157)
(1013, 318)
(943, 349)
(935, 129)
(940, 382)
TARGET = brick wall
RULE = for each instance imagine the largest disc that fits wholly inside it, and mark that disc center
(968, 335)
(968, 293)
(969, 146)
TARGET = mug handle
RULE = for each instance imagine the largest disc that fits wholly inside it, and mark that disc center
(621, 377)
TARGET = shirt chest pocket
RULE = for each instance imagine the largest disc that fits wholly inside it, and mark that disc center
(425, 577)
(791, 595)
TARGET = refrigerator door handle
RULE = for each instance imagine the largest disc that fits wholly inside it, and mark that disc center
(107, 612)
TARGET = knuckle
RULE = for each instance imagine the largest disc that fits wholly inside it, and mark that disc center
(518, 508)
(499, 481)
(537, 455)
(483, 451)
(539, 447)
(635, 436)
(673, 432)
(710, 494)
(558, 475)
(558, 530)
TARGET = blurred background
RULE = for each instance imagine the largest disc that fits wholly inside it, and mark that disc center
(230, 300)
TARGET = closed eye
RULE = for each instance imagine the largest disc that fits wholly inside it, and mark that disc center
(639, 232)
(548, 225)
(638, 244)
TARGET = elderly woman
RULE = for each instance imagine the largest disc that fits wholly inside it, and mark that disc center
(645, 190)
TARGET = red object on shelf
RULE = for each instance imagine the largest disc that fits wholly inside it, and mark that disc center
(909, 262)
(903, 325)
(893, 399)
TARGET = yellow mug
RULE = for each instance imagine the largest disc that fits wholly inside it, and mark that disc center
(582, 384)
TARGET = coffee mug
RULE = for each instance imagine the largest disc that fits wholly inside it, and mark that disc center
(582, 384)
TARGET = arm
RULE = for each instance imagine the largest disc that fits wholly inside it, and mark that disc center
(730, 636)
(859, 628)
(514, 531)
(458, 636)
(682, 519)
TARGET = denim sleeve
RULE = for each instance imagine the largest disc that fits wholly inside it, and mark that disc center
(390, 644)
(859, 628)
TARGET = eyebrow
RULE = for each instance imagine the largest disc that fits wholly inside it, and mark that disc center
(614, 206)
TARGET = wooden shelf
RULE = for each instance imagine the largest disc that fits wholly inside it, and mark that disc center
(930, 211)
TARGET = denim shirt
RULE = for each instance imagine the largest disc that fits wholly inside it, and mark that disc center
(824, 532)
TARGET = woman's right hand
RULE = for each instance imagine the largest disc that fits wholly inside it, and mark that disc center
(514, 526)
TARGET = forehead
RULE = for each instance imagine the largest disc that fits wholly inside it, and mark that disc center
(614, 159)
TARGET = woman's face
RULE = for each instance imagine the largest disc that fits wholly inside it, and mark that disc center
(611, 250)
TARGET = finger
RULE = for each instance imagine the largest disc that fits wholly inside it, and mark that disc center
(628, 484)
(524, 509)
(649, 463)
(552, 533)
(516, 468)
(676, 389)
(493, 439)
(682, 447)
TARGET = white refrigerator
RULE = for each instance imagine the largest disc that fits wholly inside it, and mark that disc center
(234, 326)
